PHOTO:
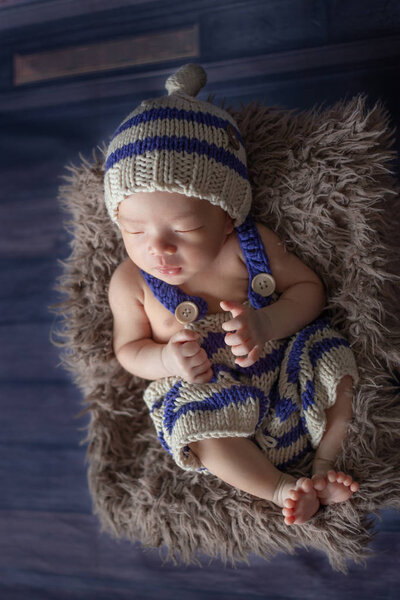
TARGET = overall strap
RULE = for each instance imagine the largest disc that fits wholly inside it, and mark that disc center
(257, 263)
(261, 282)
(171, 295)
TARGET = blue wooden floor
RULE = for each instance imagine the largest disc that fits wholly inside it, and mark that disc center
(50, 543)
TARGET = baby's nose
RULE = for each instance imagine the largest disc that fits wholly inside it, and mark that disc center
(160, 247)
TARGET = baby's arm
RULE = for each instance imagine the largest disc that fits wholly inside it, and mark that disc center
(302, 299)
(133, 346)
(302, 292)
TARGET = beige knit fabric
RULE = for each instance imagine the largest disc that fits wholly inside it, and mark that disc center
(177, 143)
(202, 411)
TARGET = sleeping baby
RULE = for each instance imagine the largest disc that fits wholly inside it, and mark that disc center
(246, 377)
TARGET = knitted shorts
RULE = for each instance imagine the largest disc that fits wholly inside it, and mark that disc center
(279, 402)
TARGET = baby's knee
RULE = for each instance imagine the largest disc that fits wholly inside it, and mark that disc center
(344, 396)
(202, 448)
(342, 410)
(345, 387)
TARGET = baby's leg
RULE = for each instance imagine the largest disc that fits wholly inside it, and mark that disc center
(239, 462)
(334, 486)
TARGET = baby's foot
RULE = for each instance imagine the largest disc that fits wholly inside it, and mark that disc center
(298, 499)
(334, 487)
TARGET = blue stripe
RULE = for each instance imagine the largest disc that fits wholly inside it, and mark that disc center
(218, 367)
(213, 342)
(325, 345)
(308, 396)
(171, 295)
(303, 420)
(168, 112)
(294, 361)
(289, 463)
(178, 144)
(255, 257)
(290, 437)
(284, 408)
(266, 364)
(292, 461)
(164, 443)
(171, 394)
(236, 394)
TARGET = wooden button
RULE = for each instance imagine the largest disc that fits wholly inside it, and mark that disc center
(232, 137)
(186, 312)
(263, 284)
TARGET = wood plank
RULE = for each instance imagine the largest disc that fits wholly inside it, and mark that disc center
(51, 476)
(69, 553)
(53, 587)
(154, 47)
(347, 16)
(61, 588)
(27, 288)
(26, 354)
(41, 413)
(247, 73)
(30, 228)
(56, 10)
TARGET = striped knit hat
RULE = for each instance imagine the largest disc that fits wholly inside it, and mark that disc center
(176, 143)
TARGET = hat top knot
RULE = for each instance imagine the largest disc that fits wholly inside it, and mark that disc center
(189, 79)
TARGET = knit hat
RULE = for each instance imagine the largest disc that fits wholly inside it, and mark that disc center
(176, 143)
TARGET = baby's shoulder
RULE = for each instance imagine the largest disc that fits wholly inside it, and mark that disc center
(126, 284)
(268, 236)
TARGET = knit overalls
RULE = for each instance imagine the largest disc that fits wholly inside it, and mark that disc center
(279, 402)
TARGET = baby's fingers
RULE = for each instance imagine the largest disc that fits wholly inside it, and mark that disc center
(184, 335)
(200, 358)
(242, 349)
(250, 359)
(233, 324)
(236, 339)
(189, 349)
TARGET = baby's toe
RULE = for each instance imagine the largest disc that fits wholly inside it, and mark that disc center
(305, 484)
(331, 476)
(300, 482)
(289, 503)
(355, 486)
(348, 480)
(288, 512)
(340, 477)
(289, 520)
(293, 495)
(319, 482)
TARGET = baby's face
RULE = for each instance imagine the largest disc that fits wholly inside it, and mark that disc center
(171, 236)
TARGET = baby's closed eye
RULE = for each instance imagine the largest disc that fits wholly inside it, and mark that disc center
(188, 230)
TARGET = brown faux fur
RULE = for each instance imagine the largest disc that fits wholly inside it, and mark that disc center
(323, 181)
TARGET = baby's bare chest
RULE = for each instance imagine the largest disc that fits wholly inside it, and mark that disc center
(229, 283)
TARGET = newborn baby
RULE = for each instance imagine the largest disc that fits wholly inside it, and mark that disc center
(246, 379)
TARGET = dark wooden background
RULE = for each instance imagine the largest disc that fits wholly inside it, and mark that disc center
(69, 72)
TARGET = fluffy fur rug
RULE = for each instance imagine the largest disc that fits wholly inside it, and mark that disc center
(323, 180)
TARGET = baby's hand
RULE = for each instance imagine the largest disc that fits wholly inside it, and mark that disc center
(248, 336)
(184, 357)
